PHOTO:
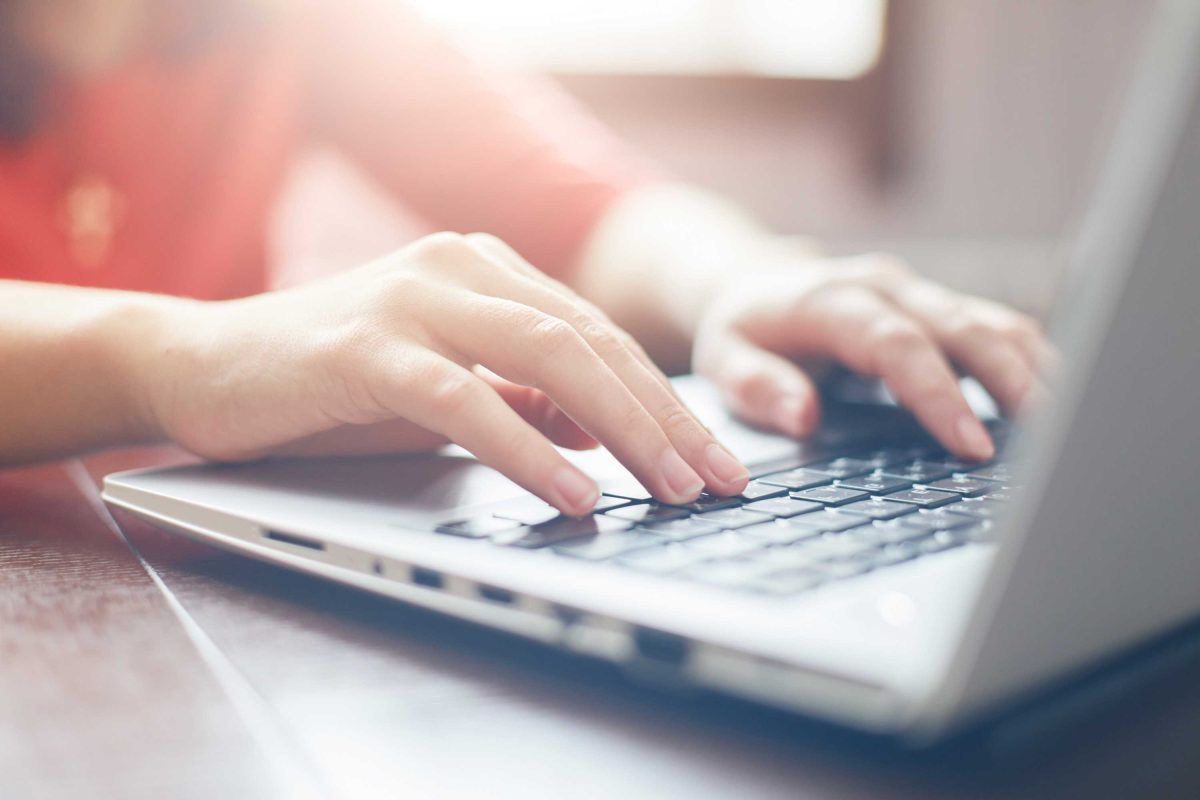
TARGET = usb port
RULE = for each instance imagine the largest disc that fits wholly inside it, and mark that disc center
(496, 594)
(293, 539)
(427, 577)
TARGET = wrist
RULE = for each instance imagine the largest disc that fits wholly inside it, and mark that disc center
(145, 346)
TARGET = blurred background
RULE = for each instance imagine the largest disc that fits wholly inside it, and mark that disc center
(962, 134)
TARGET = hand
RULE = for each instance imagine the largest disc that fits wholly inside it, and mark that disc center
(761, 341)
(400, 354)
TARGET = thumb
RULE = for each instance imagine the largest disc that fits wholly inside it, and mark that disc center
(761, 387)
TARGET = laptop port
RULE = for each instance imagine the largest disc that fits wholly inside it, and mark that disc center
(660, 647)
(496, 594)
(427, 577)
(293, 539)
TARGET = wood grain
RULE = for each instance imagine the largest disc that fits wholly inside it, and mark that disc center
(105, 693)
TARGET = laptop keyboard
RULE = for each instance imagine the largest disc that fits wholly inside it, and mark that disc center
(797, 526)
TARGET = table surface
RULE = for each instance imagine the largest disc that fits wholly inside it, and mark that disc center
(137, 664)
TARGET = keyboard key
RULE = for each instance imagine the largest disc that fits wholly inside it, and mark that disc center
(983, 507)
(774, 465)
(478, 527)
(732, 574)
(923, 497)
(831, 495)
(938, 541)
(726, 544)
(788, 582)
(528, 510)
(646, 513)
(559, 529)
(888, 456)
(757, 490)
(680, 529)
(627, 488)
(838, 545)
(608, 545)
(996, 472)
(937, 520)
(840, 568)
(921, 471)
(878, 508)
(663, 559)
(787, 556)
(708, 502)
(733, 518)
(894, 530)
(783, 507)
(876, 483)
(825, 520)
(963, 485)
(842, 467)
(982, 531)
(608, 503)
(894, 554)
(778, 533)
(796, 479)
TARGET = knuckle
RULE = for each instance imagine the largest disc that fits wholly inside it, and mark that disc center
(444, 245)
(676, 420)
(890, 266)
(1023, 326)
(452, 393)
(485, 239)
(551, 334)
(894, 333)
(602, 338)
(968, 327)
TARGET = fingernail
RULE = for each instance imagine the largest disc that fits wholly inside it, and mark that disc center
(681, 478)
(576, 492)
(787, 415)
(974, 438)
(724, 465)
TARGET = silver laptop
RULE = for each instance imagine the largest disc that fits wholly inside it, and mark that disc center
(866, 577)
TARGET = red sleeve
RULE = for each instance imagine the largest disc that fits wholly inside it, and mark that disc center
(467, 147)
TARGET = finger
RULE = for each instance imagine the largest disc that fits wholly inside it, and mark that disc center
(391, 436)
(539, 410)
(721, 471)
(995, 344)
(533, 348)
(871, 336)
(500, 249)
(449, 399)
(761, 387)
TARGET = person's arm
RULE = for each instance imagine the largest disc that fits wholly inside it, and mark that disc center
(444, 340)
(73, 365)
(704, 286)
(475, 149)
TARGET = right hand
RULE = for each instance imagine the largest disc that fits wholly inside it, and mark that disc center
(434, 343)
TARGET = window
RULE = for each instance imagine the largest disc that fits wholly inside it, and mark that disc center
(826, 39)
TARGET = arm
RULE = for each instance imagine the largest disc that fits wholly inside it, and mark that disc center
(72, 362)
(475, 150)
(438, 342)
(703, 285)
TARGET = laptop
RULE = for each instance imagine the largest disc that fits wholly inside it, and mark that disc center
(865, 577)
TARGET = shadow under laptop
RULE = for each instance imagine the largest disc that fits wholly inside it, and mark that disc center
(303, 642)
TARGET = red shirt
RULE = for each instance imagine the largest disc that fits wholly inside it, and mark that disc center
(196, 149)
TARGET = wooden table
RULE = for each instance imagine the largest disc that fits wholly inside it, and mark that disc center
(134, 664)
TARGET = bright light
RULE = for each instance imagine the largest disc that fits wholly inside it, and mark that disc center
(831, 39)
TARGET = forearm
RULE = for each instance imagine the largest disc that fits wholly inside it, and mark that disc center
(656, 258)
(73, 367)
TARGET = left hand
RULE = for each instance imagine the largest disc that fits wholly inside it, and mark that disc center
(762, 341)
